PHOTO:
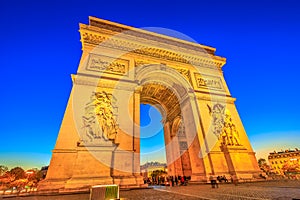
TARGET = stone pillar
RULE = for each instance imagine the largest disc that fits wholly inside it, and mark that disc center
(169, 148)
(197, 164)
(136, 131)
(192, 123)
(176, 157)
(126, 170)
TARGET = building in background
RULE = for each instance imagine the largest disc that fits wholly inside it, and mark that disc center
(285, 162)
(148, 168)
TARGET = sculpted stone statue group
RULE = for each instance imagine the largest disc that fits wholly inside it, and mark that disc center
(104, 113)
(229, 135)
(99, 119)
(223, 126)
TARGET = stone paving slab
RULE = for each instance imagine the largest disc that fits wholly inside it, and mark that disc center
(277, 190)
(284, 190)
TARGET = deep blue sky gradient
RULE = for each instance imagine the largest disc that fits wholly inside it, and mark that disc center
(40, 48)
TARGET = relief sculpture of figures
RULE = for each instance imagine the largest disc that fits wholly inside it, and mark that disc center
(99, 120)
(223, 126)
(217, 113)
(230, 135)
(104, 113)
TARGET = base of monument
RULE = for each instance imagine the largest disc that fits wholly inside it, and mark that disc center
(85, 183)
(248, 176)
(51, 185)
(129, 181)
(198, 178)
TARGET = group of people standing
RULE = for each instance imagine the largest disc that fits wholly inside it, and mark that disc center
(168, 180)
(214, 180)
(183, 180)
(175, 180)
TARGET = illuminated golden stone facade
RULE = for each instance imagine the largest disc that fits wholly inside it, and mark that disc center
(284, 159)
(122, 67)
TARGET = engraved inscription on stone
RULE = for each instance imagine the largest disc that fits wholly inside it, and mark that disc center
(181, 130)
(208, 82)
(183, 145)
(107, 64)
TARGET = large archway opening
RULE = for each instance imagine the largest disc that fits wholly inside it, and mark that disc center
(152, 145)
(163, 139)
(152, 141)
(170, 93)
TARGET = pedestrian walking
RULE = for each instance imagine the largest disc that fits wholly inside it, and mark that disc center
(172, 180)
(176, 180)
(182, 180)
(213, 182)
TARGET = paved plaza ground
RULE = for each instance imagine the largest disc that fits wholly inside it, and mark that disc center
(278, 190)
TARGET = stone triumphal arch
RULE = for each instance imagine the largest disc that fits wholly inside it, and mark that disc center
(122, 67)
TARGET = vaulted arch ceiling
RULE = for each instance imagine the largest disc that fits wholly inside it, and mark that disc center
(155, 93)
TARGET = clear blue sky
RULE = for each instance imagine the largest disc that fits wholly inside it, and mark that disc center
(40, 48)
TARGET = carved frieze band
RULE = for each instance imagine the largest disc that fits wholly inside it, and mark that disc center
(186, 73)
(183, 71)
(209, 82)
(115, 29)
(95, 39)
(100, 63)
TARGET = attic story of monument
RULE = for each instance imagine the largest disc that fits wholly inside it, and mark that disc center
(122, 67)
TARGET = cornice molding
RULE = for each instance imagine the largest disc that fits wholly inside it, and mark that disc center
(215, 98)
(162, 49)
(103, 82)
(137, 32)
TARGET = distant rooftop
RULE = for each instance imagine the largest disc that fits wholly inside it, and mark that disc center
(286, 151)
(150, 164)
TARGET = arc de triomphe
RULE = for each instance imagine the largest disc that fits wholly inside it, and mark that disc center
(122, 67)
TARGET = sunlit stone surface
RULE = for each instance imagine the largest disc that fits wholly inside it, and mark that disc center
(122, 67)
